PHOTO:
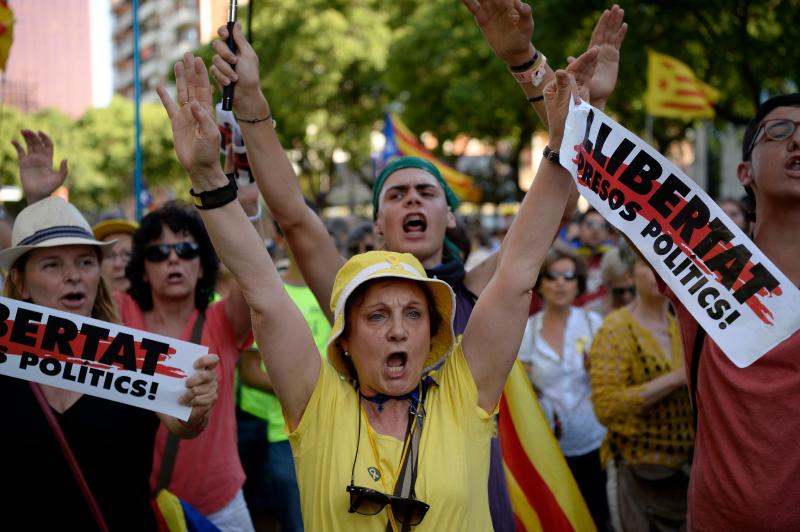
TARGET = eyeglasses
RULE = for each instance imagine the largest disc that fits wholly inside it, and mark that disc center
(621, 291)
(569, 275)
(367, 501)
(160, 252)
(125, 256)
(775, 129)
(592, 224)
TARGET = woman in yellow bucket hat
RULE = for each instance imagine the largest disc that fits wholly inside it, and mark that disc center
(379, 442)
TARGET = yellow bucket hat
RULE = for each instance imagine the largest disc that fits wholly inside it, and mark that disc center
(381, 265)
(113, 226)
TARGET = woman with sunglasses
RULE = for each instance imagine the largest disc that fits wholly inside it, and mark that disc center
(616, 270)
(173, 271)
(370, 435)
(555, 353)
(639, 393)
(54, 261)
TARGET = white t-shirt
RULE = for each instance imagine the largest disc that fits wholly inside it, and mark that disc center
(563, 381)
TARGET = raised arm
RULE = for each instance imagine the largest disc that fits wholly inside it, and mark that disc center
(36, 173)
(495, 328)
(507, 26)
(292, 358)
(608, 34)
(582, 69)
(312, 247)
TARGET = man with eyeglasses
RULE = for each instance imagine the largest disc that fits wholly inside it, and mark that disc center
(746, 461)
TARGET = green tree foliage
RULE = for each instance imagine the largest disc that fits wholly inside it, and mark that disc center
(449, 82)
(321, 65)
(330, 68)
(100, 149)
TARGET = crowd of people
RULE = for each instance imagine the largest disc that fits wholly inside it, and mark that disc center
(357, 366)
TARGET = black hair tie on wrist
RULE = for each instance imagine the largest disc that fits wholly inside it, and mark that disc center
(526, 65)
(534, 99)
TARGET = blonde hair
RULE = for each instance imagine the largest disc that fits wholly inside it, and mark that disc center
(104, 308)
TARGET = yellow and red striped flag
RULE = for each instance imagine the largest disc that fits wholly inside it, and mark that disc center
(401, 141)
(673, 91)
(544, 494)
(6, 32)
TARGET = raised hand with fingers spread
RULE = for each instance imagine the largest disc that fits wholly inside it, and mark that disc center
(36, 173)
(196, 135)
(608, 35)
(507, 26)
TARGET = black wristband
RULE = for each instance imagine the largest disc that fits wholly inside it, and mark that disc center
(534, 99)
(526, 65)
(551, 155)
(212, 199)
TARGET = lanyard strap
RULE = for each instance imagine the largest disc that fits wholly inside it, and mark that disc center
(406, 474)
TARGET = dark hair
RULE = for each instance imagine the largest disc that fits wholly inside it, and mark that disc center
(360, 292)
(590, 210)
(178, 217)
(356, 235)
(557, 253)
(766, 107)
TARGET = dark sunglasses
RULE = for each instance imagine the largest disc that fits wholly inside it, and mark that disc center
(367, 501)
(621, 291)
(775, 129)
(570, 275)
(160, 252)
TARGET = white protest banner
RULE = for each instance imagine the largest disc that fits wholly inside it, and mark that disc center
(732, 289)
(94, 357)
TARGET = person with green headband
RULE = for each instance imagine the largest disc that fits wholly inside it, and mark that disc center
(382, 440)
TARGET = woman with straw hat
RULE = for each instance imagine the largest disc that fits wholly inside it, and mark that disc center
(372, 433)
(54, 261)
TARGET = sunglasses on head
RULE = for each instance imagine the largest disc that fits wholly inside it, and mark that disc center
(569, 275)
(367, 501)
(775, 129)
(160, 252)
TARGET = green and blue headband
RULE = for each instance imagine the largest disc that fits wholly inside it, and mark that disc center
(410, 162)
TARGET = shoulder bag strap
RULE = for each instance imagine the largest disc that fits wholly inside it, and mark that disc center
(171, 446)
(71, 460)
(697, 349)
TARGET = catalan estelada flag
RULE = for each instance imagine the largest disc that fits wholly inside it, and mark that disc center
(6, 32)
(400, 141)
(673, 90)
(544, 494)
